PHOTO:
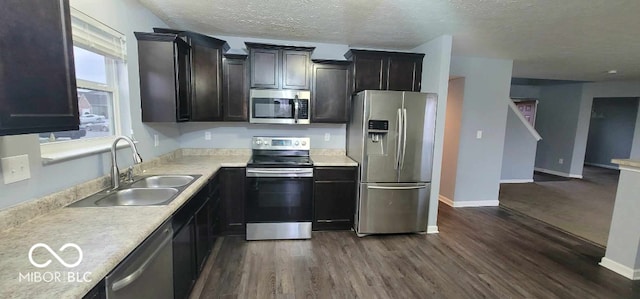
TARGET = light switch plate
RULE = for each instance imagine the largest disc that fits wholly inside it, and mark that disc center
(15, 169)
(327, 136)
(479, 134)
(207, 135)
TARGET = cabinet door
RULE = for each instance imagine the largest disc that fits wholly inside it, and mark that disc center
(334, 198)
(37, 77)
(233, 196)
(203, 235)
(183, 73)
(295, 69)
(206, 101)
(369, 72)
(265, 70)
(184, 271)
(405, 73)
(235, 89)
(330, 94)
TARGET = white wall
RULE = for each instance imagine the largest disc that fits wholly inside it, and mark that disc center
(238, 135)
(125, 16)
(486, 96)
(519, 154)
(453, 123)
(435, 78)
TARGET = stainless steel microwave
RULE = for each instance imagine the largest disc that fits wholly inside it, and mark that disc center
(279, 106)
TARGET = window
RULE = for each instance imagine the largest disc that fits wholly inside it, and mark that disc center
(99, 55)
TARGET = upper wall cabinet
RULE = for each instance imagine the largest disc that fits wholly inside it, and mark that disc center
(330, 91)
(206, 74)
(235, 87)
(380, 70)
(37, 77)
(165, 77)
(279, 67)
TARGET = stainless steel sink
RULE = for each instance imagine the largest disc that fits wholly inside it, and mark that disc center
(137, 197)
(146, 191)
(163, 181)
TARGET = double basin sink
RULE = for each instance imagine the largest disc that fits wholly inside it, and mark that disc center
(146, 191)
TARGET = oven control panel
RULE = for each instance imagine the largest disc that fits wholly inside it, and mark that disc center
(281, 143)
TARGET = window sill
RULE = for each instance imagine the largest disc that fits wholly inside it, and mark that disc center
(64, 151)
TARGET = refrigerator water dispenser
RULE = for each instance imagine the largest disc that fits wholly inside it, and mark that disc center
(377, 141)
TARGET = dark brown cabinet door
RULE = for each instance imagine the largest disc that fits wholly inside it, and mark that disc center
(295, 69)
(235, 88)
(265, 68)
(203, 236)
(206, 74)
(184, 260)
(334, 198)
(37, 77)
(380, 70)
(369, 73)
(233, 193)
(405, 73)
(330, 92)
(206, 103)
(165, 77)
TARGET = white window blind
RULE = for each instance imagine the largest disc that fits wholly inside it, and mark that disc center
(94, 36)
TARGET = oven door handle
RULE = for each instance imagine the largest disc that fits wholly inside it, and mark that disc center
(280, 173)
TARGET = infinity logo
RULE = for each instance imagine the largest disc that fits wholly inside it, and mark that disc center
(45, 246)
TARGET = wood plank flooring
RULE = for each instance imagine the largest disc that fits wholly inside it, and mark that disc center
(479, 253)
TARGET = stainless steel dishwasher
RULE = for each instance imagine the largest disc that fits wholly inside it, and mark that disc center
(147, 272)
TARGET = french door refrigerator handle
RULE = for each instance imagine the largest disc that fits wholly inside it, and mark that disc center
(404, 136)
(399, 143)
(397, 187)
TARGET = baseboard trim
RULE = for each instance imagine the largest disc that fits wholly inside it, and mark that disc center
(445, 200)
(559, 173)
(516, 181)
(633, 274)
(602, 165)
(432, 229)
(468, 204)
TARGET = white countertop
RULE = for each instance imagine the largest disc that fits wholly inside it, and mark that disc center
(106, 235)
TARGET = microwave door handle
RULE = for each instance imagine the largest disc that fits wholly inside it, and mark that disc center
(296, 107)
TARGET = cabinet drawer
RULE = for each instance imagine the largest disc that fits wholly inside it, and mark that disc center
(333, 174)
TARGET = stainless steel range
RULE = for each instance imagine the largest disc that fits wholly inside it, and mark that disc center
(279, 188)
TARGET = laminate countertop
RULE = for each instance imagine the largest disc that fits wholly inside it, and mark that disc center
(105, 235)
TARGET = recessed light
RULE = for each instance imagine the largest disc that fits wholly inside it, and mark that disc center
(612, 72)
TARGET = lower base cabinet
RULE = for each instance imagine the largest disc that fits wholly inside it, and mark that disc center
(334, 198)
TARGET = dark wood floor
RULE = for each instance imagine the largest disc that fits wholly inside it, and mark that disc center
(479, 253)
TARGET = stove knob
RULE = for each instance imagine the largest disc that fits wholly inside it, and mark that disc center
(297, 143)
(258, 142)
(304, 143)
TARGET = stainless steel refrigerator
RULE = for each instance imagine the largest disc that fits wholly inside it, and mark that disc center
(391, 136)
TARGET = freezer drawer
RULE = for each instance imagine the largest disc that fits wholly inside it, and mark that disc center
(392, 208)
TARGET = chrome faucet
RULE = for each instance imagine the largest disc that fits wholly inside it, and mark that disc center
(115, 172)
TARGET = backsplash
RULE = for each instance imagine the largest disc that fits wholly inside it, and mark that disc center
(238, 135)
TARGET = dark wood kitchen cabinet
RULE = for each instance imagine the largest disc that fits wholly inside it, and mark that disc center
(279, 67)
(380, 70)
(330, 91)
(184, 257)
(235, 87)
(233, 196)
(206, 74)
(165, 77)
(37, 79)
(334, 198)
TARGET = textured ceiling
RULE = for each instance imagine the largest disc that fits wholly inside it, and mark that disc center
(567, 39)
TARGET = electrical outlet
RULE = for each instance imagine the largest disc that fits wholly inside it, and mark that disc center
(560, 161)
(207, 135)
(327, 136)
(15, 169)
(156, 140)
(479, 134)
